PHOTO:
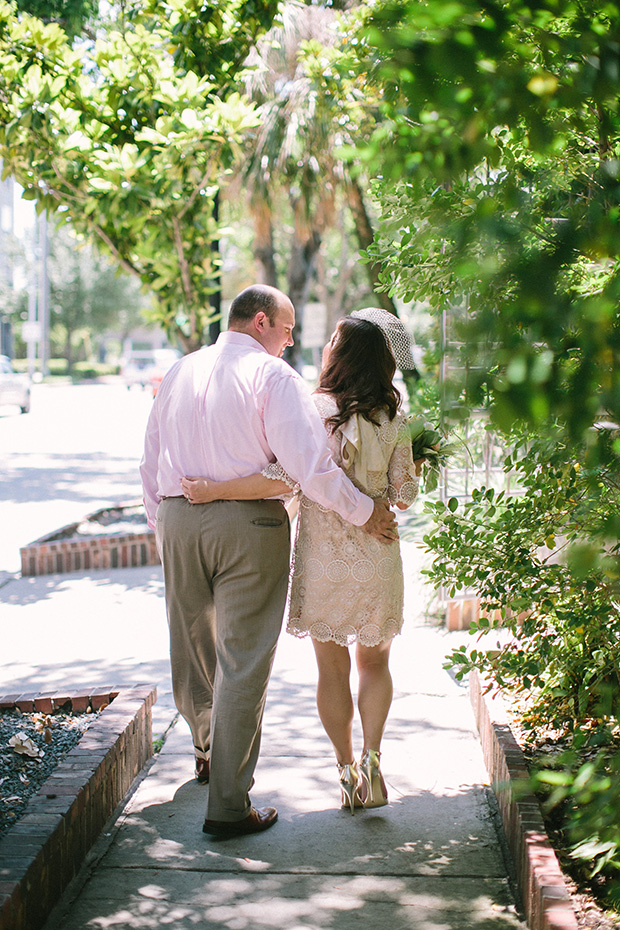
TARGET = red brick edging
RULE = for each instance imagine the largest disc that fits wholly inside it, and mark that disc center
(45, 849)
(45, 557)
(544, 895)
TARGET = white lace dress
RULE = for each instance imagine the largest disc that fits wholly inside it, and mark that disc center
(346, 586)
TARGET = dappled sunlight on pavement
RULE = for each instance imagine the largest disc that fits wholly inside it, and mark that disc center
(431, 860)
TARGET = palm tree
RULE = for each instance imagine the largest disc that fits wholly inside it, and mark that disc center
(292, 167)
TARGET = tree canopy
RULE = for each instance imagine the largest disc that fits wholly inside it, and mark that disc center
(299, 189)
(124, 140)
(499, 169)
(73, 15)
(498, 166)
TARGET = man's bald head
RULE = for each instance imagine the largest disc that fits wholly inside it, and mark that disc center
(255, 299)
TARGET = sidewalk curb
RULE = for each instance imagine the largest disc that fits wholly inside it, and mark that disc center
(45, 849)
(546, 901)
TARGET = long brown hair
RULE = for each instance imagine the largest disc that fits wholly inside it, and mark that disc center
(359, 372)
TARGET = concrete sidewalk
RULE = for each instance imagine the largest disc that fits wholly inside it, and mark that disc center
(431, 860)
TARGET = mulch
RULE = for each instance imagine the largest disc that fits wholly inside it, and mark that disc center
(52, 736)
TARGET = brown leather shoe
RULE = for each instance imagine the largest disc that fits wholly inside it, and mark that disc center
(202, 771)
(256, 821)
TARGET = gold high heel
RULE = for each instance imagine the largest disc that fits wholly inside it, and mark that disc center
(375, 794)
(349, 784)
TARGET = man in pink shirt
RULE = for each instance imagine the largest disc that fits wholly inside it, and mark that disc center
(227, 411)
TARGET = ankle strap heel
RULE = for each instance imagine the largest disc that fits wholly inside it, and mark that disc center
(349, 784)
(374, 792)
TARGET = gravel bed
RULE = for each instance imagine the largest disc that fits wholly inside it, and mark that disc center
(114, 520)
(51, 736)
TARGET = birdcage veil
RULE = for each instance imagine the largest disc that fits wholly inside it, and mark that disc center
(394, 331)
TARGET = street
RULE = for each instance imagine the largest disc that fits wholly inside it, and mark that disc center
(77, 450)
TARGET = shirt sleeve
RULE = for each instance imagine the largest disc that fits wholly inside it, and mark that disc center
(297, 437)
(149, 466)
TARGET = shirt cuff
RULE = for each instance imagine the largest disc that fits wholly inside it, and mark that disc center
(363, 511)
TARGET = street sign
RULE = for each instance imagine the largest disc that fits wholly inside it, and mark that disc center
(313, 332)
(31, 331)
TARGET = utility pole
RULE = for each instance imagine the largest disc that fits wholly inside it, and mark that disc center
(44, 295)
(31, 330)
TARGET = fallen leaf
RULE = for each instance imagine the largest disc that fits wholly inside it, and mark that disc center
(22, 744)
(48, 735)
(24, 779)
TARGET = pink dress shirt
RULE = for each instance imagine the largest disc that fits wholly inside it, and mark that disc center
(230, 409)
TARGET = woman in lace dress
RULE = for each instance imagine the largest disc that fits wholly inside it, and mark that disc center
(347, 586)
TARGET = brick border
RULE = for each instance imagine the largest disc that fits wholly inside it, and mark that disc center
(97, 552)
(546, 901)
(44, 850)
(49, 556)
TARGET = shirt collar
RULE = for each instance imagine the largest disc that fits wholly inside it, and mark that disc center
(230, 337)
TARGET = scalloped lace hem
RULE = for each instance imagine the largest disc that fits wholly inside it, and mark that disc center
(369, 635)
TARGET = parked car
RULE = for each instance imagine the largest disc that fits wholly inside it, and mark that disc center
(14, 387)
(140, 367)
(136, 368)
(165, 360)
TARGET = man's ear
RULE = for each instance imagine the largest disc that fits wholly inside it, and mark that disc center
(261, 321)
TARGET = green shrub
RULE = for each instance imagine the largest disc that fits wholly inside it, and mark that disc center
(81, 370)
(90, 370)
(582, 793)
(544, 562)
(57, 367)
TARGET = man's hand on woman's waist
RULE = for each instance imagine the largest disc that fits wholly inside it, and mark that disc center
(382, 523)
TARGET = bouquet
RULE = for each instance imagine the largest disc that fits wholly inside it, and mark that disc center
(430, 444)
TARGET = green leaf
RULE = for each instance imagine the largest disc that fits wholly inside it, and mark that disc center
(101, 184)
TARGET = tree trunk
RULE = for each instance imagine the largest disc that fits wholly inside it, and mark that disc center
(215, 327)
(365, 237)
(187, 343)
(335, 301)
(300, 274)
(264, 250)
(69, 351)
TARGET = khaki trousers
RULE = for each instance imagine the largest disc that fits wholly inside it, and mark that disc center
(226, 568)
